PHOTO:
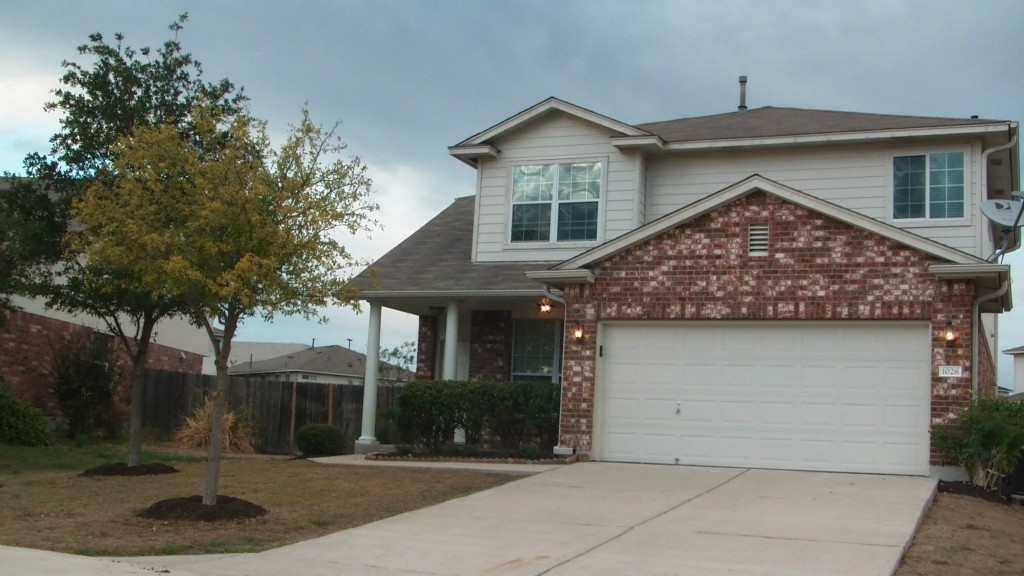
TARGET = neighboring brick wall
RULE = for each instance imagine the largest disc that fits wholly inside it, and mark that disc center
(166, 358)
(490, 355)
(426, 349)
(818, 269)
(29, 343)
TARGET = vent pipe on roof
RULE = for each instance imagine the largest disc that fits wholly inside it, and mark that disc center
(743, 94)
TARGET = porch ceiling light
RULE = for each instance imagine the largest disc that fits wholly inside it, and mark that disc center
(577, 333)
(949, 334)
(545, 306)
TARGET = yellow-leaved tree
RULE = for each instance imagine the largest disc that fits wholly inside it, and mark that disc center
(232, 226)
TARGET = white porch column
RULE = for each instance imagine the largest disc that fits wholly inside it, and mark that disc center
(370, 379)
(451, 340)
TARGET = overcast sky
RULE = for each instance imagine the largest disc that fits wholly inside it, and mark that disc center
(408, 79)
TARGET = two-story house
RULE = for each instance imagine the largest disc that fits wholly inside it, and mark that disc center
(773, 288)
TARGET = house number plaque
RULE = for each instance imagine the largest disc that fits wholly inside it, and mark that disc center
(951, 371)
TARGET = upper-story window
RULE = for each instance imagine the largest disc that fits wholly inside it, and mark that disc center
(560, 197)
(928, 186)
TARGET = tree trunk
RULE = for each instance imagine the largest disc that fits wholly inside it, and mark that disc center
(137, 383)
(135, 418)
(216, 436)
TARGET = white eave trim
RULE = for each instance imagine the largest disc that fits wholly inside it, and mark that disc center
(997, 272)
(752, 184)
(874, 135)
(563, 277)
(649, 143)
(466, 153)
(541, 108)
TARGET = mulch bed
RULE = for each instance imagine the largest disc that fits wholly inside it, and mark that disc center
(122, 469)
(191, 508)
(971, 489)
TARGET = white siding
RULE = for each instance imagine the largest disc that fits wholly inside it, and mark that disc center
(557, 137)
(854, 178)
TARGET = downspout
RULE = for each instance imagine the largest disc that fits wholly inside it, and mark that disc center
(558, 449)
(975, 333)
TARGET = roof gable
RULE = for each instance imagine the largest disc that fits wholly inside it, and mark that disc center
(747, 186)
(479, 145)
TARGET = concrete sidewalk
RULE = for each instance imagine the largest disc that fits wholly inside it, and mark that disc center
(602, 518)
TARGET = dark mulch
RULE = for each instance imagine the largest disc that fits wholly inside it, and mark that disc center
(971, 489)
(122, 469)
(191, 508)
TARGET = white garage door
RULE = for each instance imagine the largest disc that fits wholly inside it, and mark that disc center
(851, 397)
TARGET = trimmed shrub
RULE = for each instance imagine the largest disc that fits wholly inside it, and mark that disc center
(320, 440)
(195, 432)
(509, 414)
(20, 422)
(989, 435)
(428, 413)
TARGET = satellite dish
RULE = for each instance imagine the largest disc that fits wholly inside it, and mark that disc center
(1003, 212)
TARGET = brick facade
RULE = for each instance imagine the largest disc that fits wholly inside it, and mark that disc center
(490, 354)
(817, 268)
(29, 344)
(426, 348)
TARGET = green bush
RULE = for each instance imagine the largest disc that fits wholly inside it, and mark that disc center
(20, 422)
(987, 436)
(320, 440)
(428, 413)
(510, 414)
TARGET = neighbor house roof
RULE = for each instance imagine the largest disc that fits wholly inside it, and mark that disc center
(436, 260)
(1015, 351)
(334, 360)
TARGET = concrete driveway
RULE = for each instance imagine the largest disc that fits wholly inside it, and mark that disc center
(603, 518)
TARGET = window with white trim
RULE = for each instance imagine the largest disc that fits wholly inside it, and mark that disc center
(928, 186)
(564, 198)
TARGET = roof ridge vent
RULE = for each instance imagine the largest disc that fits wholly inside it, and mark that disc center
(743, 94)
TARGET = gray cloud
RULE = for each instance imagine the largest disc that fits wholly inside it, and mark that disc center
(408, 79)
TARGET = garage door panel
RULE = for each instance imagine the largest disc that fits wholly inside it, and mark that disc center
(816, 396)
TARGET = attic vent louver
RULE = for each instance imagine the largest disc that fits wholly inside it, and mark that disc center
(757, 239)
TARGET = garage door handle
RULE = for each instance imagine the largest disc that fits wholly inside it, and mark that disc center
(677, 407)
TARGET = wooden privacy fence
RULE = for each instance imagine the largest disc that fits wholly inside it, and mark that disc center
(276, 409)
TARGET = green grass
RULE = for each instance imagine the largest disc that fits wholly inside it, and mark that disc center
(66, 455)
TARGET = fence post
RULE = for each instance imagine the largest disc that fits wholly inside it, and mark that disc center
(291, 436)
(330, 404)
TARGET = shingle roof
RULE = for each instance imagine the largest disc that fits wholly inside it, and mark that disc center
(769, 121)
(322, 360)
(437, 259)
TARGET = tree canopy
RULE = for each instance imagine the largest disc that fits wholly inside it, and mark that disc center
(117, 90)
(230, 225)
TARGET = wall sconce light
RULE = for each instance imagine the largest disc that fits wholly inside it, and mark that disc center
(577, 333)
(948, 334)
(545, 306)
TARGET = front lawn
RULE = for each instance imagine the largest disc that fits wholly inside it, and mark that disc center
(48, 506)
